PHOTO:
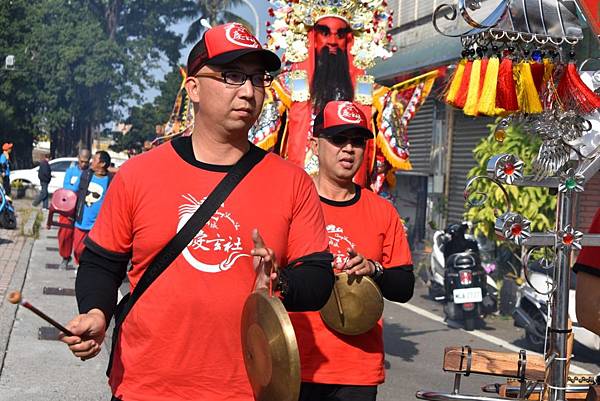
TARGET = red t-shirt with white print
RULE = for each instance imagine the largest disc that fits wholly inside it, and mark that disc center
(372, 226)
(181, 340)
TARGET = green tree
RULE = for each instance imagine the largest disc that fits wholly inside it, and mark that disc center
(18, 86)
(533, 203)
(146, 117)
(78, 62)
(215, 12)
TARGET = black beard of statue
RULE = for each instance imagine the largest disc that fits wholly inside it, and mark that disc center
(331, 79)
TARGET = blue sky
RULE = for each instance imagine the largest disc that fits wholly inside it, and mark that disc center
(244, 11)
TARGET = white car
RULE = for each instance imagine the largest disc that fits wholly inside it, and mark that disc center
(30, 176)
(59, 166)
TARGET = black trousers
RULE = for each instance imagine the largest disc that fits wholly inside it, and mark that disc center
(6, 184)
(336, 392)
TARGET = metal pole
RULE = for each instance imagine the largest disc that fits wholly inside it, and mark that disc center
(256, 20)
(559, 329)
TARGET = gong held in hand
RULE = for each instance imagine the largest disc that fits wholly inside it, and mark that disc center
(355, 305)
(270, 349)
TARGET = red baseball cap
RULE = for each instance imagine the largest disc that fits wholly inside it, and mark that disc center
(223, 44)
(7, 146)
(339, 116)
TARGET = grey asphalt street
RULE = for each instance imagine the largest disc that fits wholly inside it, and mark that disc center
(415, 348)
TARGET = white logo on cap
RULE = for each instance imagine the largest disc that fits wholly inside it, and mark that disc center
(238, 35)
(348, 112)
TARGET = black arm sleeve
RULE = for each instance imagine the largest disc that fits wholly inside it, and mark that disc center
(307, 282)
(397, 283)
(97, 283)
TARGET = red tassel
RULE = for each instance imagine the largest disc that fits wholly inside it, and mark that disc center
(484, 64)
(506, 93)
(575, 94)
(461, 98)
(537, 71)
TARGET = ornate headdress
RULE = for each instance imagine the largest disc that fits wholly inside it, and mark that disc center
(368, 19)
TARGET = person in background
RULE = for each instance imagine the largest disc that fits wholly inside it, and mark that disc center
(148, 145)
(45, 175)
(71, 182)
(5, 166)
(367, 238)
(91, 192)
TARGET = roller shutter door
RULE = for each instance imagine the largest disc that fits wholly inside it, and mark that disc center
(420, 131)
(468, 132)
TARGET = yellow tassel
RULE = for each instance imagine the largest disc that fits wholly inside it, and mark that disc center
(548, 70)
(487, 100)
(527, 95)
(456, 80)
(396, 162)
(470, 108)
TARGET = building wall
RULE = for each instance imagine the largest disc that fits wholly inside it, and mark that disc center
(589, 202)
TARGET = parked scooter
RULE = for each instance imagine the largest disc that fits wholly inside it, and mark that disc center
(531, 311)
(456, 276)
(8, 219)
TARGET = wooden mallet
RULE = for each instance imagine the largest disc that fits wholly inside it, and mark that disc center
(16, 298)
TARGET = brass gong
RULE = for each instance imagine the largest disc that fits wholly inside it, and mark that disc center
(270, 349)
(355, 305)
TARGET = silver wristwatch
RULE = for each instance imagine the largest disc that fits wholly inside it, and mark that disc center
(378, 270)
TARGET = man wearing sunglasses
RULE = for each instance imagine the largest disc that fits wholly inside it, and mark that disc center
(182, 339)
(367, 238)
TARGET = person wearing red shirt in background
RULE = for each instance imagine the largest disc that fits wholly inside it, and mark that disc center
(71, 182)
(182, 339)
(367, 238)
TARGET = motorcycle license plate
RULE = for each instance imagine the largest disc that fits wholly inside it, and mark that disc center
(464, 295)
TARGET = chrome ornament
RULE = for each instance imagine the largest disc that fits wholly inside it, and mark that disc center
(569, 237)
(506, 168)
(513, 227)
(571, 182)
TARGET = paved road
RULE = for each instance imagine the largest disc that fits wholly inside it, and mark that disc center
(36, 369)
(415, 344)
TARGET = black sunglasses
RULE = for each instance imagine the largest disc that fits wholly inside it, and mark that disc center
(341, 140)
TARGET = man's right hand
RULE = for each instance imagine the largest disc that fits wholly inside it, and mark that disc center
(89, 329)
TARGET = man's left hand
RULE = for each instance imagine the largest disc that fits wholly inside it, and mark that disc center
(358, 265)
(265, 263)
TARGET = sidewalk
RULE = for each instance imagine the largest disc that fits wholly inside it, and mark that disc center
(41, 369)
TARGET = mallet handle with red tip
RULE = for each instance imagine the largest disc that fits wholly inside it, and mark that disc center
(15, 298)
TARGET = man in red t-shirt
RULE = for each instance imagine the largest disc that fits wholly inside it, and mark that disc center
(181, 340)
(367, 238)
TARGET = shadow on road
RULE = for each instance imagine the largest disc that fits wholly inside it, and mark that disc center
(396, 344)
(5, 241)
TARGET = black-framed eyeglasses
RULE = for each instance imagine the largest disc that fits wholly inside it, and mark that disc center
(342, 140)
(239, 78)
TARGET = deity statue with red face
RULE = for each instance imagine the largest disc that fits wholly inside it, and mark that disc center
(327, 52)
